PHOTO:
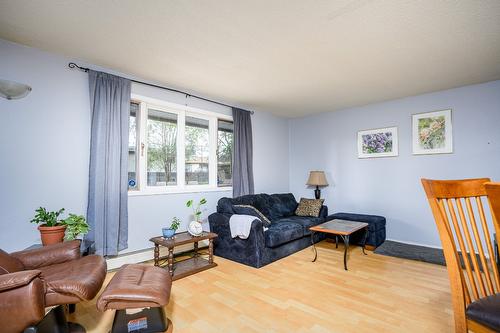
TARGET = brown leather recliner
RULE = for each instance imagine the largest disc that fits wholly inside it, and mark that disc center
(32, 280)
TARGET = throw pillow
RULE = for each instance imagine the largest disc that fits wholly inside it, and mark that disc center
(309, 207)
(251, 210)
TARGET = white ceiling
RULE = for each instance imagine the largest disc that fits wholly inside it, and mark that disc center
(289, 57)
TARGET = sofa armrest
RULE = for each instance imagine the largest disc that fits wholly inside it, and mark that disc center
(22, 300)
(218, 220)
(49, 255)
(247, 251)
(323, 213)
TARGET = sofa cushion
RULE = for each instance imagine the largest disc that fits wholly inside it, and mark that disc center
(281, 233)
(225, 206)
(259, 201)
(283, 205)
(309, 207)
(305, 222)
(264, 203)
(73, 281)
(251, 210)
(273, 206)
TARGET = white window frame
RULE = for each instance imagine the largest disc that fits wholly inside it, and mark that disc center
(146, 103)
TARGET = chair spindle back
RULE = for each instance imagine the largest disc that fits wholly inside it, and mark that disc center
(459, 212)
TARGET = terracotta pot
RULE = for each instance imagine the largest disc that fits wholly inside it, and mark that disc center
(52, 235)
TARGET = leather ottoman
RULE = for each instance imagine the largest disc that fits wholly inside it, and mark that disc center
(138, 292)
(376, 228)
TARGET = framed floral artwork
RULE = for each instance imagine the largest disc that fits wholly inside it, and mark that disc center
(432, 133)
(380, 142)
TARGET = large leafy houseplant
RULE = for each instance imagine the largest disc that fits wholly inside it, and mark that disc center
(75, 226)
(47, 219)
(53, 229)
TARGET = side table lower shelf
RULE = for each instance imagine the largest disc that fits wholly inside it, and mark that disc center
(190, 266)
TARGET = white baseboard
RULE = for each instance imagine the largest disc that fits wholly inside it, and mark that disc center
(146, 255)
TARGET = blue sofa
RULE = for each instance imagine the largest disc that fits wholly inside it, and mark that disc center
(287, 233)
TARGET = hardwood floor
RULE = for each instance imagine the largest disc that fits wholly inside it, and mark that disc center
(377, 294)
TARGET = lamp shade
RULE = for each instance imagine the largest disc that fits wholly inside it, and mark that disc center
(13, 90)
(317, 178)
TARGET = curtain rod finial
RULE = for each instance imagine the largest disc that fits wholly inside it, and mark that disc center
(73, 65)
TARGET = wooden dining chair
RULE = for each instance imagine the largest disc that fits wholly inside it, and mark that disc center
(459, 210)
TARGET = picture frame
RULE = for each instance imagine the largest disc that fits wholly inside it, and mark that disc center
(379, 142)
(432, 132)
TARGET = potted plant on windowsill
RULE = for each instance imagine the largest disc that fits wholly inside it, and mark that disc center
(51, 229)
(170, 231)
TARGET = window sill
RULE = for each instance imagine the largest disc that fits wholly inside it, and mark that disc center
(178, 191)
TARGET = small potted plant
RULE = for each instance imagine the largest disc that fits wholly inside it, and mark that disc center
(170, 231)
(51, 229)
(195, 227)
(75, 226)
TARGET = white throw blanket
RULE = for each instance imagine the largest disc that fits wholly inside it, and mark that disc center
(240, 225)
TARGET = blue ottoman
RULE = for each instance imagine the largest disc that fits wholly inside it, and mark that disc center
(376, 228)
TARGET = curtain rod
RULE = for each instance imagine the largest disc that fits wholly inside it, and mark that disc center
(73, 65)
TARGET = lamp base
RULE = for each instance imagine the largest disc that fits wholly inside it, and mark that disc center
(317, 193)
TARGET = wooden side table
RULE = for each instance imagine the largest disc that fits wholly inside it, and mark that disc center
(188, 266)
(342, 228)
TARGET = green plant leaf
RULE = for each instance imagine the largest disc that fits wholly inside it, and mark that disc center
(42, 216)
(175, 223)
(75, 225)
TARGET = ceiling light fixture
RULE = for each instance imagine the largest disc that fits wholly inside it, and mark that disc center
(13, 90)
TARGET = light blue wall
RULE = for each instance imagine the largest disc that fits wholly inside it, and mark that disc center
(391, 186)
(44, 147)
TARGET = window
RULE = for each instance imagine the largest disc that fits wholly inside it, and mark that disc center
(162, 148)
(197, 151)
(173, 148)
(132, 147)
(224, 153)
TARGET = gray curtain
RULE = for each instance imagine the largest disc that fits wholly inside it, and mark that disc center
(107, 212)
(242, 153)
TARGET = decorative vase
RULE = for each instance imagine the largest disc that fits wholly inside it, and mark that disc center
(52, 235)
(195, 228)
(168, 233)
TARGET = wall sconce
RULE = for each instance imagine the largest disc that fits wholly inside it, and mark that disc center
(13, 90)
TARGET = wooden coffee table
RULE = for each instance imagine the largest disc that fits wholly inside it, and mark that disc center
(189, 266)
(342, 228)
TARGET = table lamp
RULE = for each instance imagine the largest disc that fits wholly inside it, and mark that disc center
(317, 178)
